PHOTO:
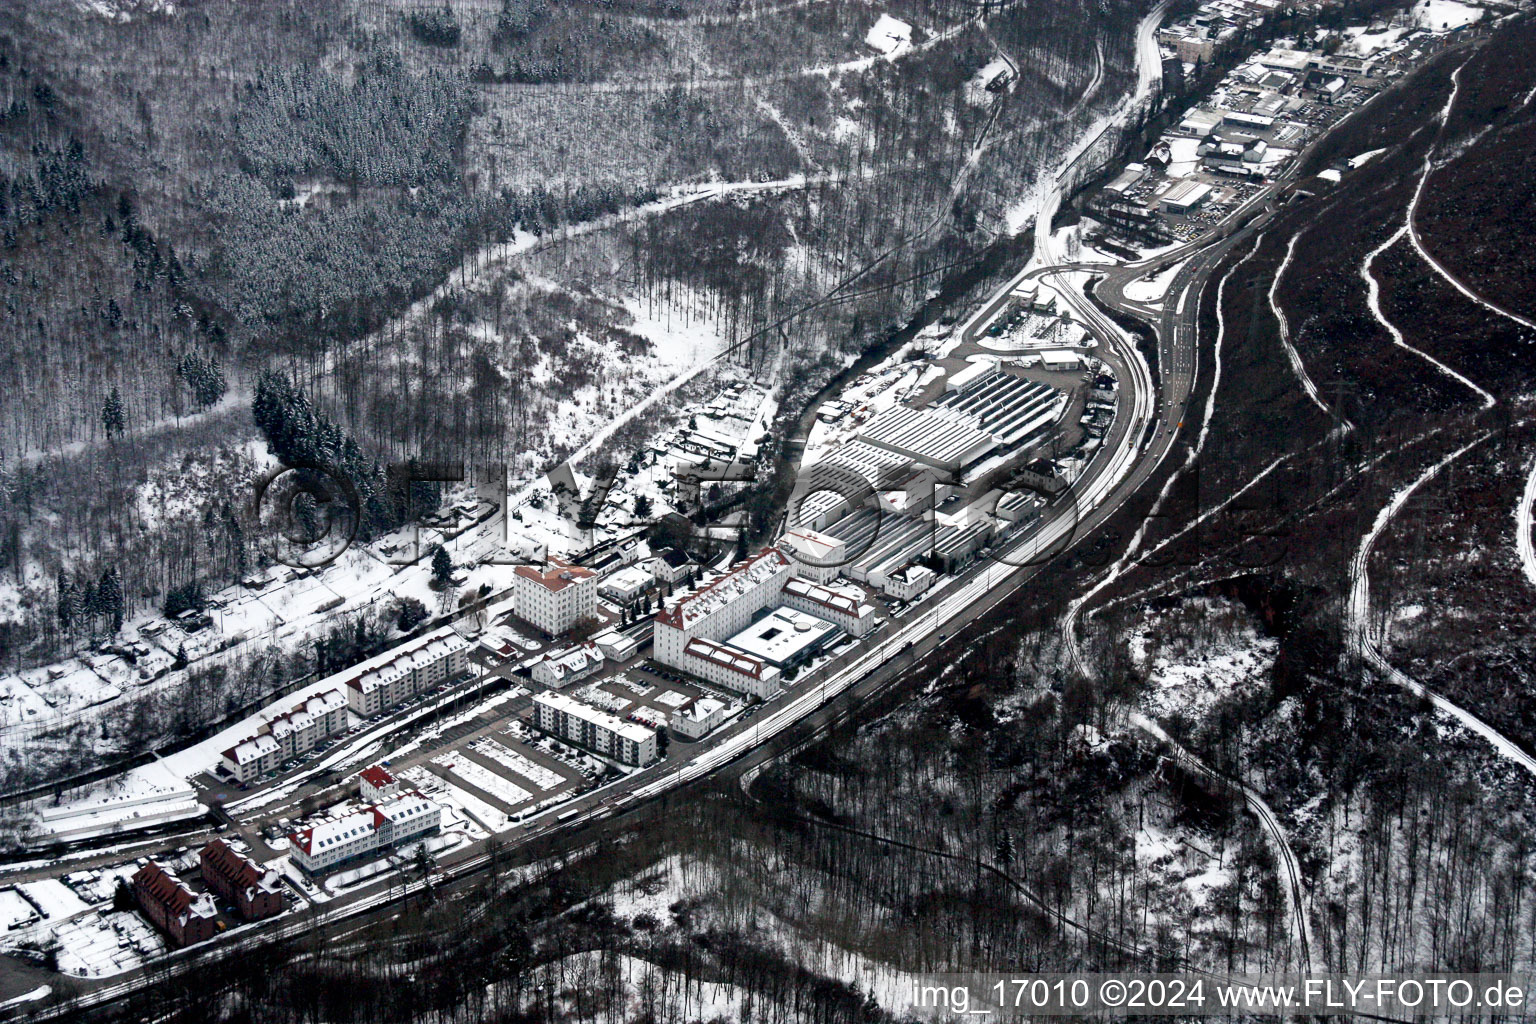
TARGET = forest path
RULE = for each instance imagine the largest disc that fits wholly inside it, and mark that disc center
(1285, 337)
(1413, 213)
(1524, 543)
(1279, 843)
(1373, 302)
(1359, 635)
(236, 398)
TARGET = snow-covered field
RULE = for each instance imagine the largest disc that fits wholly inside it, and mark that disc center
(1143, 290)
(1216, 650)
(1445, 15)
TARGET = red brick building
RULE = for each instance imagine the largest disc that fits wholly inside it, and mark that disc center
(185, 916)
(254, 890)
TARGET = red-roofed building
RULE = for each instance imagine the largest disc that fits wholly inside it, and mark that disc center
(370, 832)
(255, 891)
(717, 610)
(556, 597)
(376, 784)
(183, 915)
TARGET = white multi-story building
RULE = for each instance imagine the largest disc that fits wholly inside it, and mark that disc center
(699, 718)
(250, 759)
(325, 847)
(376, 783)
(817, 556)
(288, 734)
(383, 681)
(730, 668)
(554, 599)
(596, 730)
(303, 728)
(841, 607)
(719, 609)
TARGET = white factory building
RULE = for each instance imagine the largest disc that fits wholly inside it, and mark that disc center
(385, 680)
(373, 831)
(698, 632)
(594, 729)
(556, 597)
(816, 556)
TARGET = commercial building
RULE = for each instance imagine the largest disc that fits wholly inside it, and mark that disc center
(556, 597)
(566, 666)
(1185, 196)
(626, 586)
(255, 891)
(375, 830)
(593, 729)
(699, 718)
(785, 637)
(183, 915)
(383, 681)
(376, 784)
(1060, 359)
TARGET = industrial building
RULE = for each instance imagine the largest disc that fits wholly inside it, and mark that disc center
(721, 607)
(593, 729)
(785, 638)
(697, 633)
(930, 436)
(183, 915)
(383, 681)
(256, 892)
(556, 597)
(729, 668)
(846, 610)
(374, 830)
(816, 556)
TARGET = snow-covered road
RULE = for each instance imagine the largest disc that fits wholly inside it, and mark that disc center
(1285, 337)
(1523, 526)
(1360, 636)
(1373, 302)
(1413, 213)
